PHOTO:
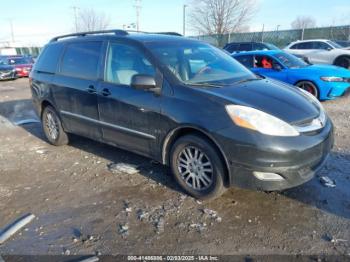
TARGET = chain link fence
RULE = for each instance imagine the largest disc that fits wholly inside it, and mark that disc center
(280, 38)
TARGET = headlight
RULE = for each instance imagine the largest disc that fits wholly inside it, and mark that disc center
(332, 79)
(257, 120)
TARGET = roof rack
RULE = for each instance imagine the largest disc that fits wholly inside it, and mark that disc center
(118, 32)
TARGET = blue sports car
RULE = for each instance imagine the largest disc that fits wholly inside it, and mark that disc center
(323, 81)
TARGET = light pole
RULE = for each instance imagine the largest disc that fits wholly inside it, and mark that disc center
(278, 26)
(184, 20)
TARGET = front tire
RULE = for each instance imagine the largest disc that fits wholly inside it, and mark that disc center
(197, 167)
(52, 126)
(309, 87)
(343, 62)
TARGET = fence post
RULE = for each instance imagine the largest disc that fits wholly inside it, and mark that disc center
(302, 33)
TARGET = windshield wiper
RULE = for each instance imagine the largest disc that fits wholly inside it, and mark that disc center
(247, 80)
(204, 84)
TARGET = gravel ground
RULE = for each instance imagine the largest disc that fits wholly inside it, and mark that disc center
(91, 198)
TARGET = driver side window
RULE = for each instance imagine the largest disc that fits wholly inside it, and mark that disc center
(124, 61)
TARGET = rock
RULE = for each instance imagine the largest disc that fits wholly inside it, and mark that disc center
(199, 226)
(160, 224)
(141, 215)
(66, 251)
(124, 229)
(123, 168)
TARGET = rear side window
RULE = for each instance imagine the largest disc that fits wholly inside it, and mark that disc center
(305, 45)
(245, 47)
(232, 48)
(48, 59)
(259, 46)
(81, 60)
(246, 60)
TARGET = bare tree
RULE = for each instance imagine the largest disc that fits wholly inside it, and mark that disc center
(303, 22)
(90, 20)
(219, 17)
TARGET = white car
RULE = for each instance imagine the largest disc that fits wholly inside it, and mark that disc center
(321, 51)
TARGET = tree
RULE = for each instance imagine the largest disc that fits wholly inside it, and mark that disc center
(303, 22)
(219, 17)
(90, 20)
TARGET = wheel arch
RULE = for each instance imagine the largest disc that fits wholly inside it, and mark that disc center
(178, 132)
(44, 104)
(311, 81)
(341, 56)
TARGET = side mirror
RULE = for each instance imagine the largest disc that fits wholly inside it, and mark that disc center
(329, 48)
(277, 67)
(144, 82)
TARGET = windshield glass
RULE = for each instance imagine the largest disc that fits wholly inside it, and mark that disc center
(19, 60)
(290, 61)
(3, 61)
(334, 44)
(199, 63)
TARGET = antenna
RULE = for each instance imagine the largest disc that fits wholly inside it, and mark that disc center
(138, 7)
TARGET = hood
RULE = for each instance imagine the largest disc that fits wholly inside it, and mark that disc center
(6, 67)
(324, 70)
(270, 96)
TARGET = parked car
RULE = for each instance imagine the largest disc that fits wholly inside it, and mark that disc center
(22, 64)
(7, 72)
(343, 43)
(322, 81)
(237, 47)
(320, 51)
(216, 125)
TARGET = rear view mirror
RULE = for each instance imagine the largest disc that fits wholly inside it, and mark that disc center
(143, 82)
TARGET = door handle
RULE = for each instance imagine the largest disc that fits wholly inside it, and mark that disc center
(91, 89)
(106, 92)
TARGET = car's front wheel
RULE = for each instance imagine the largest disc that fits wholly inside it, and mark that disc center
(309, 87)
(343, 62)
(52, 127)
(197, 167)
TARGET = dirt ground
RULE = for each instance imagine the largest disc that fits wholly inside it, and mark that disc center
(84, 207)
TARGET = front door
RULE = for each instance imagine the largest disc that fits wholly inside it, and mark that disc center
(269, 67)
(129, 117)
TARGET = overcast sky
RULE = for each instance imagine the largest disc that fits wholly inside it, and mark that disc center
(36, 21)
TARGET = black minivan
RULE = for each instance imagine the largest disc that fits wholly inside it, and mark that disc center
(183, 103)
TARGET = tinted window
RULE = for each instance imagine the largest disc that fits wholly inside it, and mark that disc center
(264, 62)
(259, 46)
(290, 61)
(48, 58)
(246, 60)
(81, 60)
(124, 62)
(306, 45)
(321, 45)
(232, 48)
(245, 47)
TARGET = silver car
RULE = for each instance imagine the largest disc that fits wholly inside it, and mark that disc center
(321, 51)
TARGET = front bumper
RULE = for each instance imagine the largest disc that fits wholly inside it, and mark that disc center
(333, 89)
(295, 159)
(7, 75)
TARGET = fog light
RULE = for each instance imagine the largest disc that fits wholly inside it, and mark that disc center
(268, 176)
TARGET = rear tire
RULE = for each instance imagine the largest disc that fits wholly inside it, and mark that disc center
(309, 87)
(197, 167)
(52, 126)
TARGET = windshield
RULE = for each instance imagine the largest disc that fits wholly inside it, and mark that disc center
(290, 61)
(199, 63)
(334, 44)
(3, 61)
(19, 60)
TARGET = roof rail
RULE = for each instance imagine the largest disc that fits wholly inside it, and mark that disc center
(116, 32)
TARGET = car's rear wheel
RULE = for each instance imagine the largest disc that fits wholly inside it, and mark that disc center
(343, 62)
(52, 127)
(309, 87)
(197, 167)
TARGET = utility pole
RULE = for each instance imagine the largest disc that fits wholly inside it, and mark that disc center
(184, 20)
(137, 7)
(12, 33)
(75, 8)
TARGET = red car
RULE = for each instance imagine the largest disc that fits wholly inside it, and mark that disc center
(22, 64)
